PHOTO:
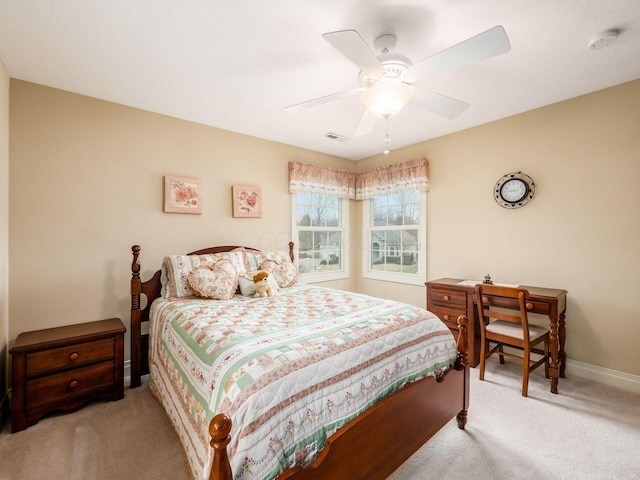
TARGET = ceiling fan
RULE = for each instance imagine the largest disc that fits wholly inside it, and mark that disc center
(389, 81)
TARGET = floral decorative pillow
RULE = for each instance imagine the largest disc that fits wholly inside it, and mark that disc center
(218, 280)
(285, 273)
(176, 268)
(177, 272)
(255, 259)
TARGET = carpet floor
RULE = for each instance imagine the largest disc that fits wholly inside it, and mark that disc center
(587, 431)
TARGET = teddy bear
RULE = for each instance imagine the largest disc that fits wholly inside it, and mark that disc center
(264, 287)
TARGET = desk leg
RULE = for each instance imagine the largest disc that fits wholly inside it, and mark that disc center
(562, 333)
(553, 367)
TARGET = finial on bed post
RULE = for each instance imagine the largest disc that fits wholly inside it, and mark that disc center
(136, 289)
(219, 429)
(291, 251)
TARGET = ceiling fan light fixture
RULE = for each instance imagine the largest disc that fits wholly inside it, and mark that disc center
(387, 97)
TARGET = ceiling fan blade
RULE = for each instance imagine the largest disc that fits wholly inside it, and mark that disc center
(352, 46)
(439, 104)
(321, 100)
(484, 45)
(366, 124)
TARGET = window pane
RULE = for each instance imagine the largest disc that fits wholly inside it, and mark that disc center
(304, 218)
(395, 215)
(412, 214)
(396, 199)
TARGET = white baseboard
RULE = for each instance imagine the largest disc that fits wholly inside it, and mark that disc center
(614, 378)
(127, 373)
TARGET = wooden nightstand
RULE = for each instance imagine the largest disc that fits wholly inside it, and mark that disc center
(62, 368)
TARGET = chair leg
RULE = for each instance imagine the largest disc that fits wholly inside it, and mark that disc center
(501, 349)
(483, 355)
(525, 374)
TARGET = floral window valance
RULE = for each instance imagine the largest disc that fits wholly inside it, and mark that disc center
(327, 181)
(411, 175)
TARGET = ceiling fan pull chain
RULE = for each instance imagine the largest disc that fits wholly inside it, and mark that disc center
(387, 140)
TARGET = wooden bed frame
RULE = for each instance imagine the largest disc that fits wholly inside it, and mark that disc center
(372, 445)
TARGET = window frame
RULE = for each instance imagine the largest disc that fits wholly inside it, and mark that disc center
(343, 208)
(367, 226)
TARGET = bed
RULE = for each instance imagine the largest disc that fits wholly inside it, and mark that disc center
(383, 377)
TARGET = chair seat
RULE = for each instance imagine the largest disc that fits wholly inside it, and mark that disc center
(514, 330)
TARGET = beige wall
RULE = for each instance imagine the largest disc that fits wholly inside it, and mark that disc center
(4, 233)
(87, 183)
(579, 233)
(80, 165)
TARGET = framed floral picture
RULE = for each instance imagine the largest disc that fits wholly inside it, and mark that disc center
(247, 201)
(182, 195)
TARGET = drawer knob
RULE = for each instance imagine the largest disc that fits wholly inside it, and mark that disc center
(446, 317)
(73, 384)
(74, 356)
(446, 298)
(529, 306)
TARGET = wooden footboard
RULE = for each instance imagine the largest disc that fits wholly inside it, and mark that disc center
(369, 447)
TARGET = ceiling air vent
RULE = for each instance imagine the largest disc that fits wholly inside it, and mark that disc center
(335, 136)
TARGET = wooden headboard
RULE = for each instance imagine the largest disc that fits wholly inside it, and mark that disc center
(150, 289)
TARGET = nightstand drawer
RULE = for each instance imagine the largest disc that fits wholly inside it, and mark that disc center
(71, 356)
(65, 386)
(448, 298)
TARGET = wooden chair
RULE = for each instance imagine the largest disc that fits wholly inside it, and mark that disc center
(510, 329)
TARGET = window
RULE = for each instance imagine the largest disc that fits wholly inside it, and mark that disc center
(394, 234)
(320, 231)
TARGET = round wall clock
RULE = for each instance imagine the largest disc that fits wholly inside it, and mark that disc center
(514, 190)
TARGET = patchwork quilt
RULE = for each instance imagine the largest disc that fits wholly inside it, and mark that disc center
(289, 370)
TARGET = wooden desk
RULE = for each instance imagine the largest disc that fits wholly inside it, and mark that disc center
(448, 300)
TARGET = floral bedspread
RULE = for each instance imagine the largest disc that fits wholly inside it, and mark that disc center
(289, 370)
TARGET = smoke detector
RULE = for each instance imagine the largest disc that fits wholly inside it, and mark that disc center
(603, 39)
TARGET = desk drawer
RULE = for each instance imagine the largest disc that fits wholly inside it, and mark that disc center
(71, 356)
(447, 298)
(448, 315)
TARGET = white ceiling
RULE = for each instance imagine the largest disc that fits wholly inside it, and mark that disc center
(236, 64)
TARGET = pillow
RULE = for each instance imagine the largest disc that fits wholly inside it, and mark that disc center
(285, 273)
(217, 280)
(248, 288)
(178, 268)
(237, 257)
(255, 259)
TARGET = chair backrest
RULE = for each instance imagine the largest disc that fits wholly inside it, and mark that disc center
(497, 296)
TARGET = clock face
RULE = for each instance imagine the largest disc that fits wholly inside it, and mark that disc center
(514, 190)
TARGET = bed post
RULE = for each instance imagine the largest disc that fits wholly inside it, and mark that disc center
(291, 251)
(219, 429)
(136, 289)
(463, 364)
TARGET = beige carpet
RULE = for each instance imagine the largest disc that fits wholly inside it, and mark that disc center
(588, 431)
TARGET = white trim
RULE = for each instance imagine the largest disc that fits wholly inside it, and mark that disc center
(127, 373)
(606, 376)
